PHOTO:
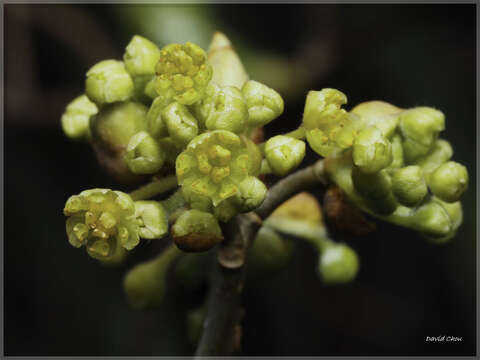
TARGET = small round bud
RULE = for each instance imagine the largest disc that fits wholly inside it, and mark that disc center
(382, 115)
(264, 104)
(182, 126)
(227, 110)
(449, 181)
(252, 192)
(116, 124)
(155, 123)
(409, 186)
(146, 284)
(141, 56)
(284, 154)
(420, 127)
(183, 73)
(372, 152)
(442, 151)
(108, 81)
(153, 219)
(76, 118)
(144, 155)
(454, 211)
(196, 231)
(338, 264)
(433, 220)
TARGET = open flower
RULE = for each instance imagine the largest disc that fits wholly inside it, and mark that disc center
(102, 219)
(329, 127)
(214, 165)
(183, 73)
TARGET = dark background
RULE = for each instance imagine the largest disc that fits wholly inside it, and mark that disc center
(58, 301)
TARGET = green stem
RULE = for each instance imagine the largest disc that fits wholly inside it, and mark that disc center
(315, 234)
(297, 134)
(154, 188)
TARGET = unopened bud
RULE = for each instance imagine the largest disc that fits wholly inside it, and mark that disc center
(284, 154)
(196, 231)
(108, 81)
(449, 181)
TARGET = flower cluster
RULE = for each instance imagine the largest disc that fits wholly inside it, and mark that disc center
(393, 164)
(159, 111)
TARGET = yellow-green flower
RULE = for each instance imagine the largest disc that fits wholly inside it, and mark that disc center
(183, 73)
(329, 128)
(214, 165)
(101, 220)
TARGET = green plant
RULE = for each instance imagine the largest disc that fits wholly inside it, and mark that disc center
(195, 128)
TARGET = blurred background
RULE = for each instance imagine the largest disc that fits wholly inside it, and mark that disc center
(58, 301)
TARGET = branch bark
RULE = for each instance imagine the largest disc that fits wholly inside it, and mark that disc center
(222, 330)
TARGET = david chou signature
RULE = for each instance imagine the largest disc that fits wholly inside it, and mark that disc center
(443, 338)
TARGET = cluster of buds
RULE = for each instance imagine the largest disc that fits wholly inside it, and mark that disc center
(389, 161)
(166, 110)
(191, 119)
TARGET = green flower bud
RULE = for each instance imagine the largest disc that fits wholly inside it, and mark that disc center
(144, 155)
(338, 264)
(409, 186)
(101, 219)
(76, 118)
(376, 189)
(183, 73)
(372, 152)
(284, 154)
(449, 181)
(146, 284)
(442, 151)
(227, 67)
(382, 115)
(111, 130)
(454, 211)
(181, 124)
(433, 220)
(153, 219)
(108, 81)
(116, 124)
(226, 110)
(264, 104)
(215, 163)
(141, 56)
(328, 127)
(420, 127)
(155, 123)
(269, 253)
(252, 192)
(196, 231)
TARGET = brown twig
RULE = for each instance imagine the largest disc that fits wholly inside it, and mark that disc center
(221, 328)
